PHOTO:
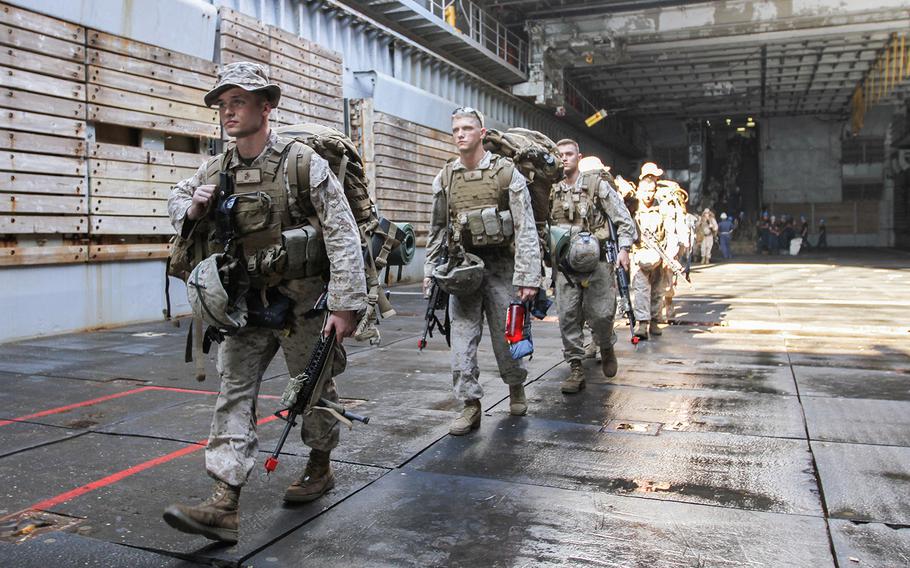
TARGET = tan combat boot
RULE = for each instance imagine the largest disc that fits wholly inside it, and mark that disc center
(591, 351)
(654, 329)
(518, 403)
(216, 519)
(317, 478)
(608, 364)
(468, 420)
(641, 329)
(576, 379)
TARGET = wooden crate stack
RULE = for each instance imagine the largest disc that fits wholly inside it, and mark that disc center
(65, 196)
(402, 158)
(43, 188)
(154, 89)
(310, 76)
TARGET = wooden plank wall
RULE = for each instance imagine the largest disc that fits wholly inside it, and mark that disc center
(310, 75)
(43, 187)
(405, 157)
(66, 197)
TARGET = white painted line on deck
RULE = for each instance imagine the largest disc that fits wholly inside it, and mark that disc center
(815, 301)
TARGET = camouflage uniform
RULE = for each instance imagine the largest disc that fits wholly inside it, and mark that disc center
(648, 276)
(243, 357)
(596, 303)
(502, 272)
(675, 222)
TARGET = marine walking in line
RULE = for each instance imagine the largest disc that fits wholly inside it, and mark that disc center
(238, 241)
(581, 207)
(483, 250)
(655, 251)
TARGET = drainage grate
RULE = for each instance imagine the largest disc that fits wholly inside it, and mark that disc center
(24, 525)
(632, 427)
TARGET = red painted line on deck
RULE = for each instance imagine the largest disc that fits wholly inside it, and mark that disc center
(90, 402)
(60, 409)
(123, 474)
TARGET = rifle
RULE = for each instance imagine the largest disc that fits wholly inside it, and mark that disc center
(648, 239)
(438, 300)
(622, 280)
(299, 395)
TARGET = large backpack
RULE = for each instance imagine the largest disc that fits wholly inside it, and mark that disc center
(536, 157)
(378, 235)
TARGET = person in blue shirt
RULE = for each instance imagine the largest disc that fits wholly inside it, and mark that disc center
(725, 234)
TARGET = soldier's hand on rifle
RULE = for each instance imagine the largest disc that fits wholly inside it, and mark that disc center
(342, 322)
(526, 294)
(623, 258)
(427, 284)
(202, 198)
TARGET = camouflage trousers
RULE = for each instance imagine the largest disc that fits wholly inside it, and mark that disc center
(242, 360)
(647, 288)
(594, 305)
(707, 245)
(491, 301)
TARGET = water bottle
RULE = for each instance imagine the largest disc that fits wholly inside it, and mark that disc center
(515, 322)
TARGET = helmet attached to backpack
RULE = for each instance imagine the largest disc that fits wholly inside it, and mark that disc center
(216, 291)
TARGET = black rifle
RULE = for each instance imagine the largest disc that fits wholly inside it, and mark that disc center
(438, 300)
(622, 279)
(298, 397)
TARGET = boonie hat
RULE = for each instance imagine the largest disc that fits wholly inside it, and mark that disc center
(650, 169)
(248, 76)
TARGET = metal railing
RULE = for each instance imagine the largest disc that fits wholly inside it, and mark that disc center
(469, 19)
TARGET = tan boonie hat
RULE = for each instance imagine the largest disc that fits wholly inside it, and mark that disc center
(248, 76)
(650, 169)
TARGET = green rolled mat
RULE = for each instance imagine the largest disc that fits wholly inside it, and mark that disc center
(402, 254)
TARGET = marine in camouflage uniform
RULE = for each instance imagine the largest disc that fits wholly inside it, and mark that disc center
(587, 202)
(673, 199)
(649, 276)
(244, 97)
(510, 261)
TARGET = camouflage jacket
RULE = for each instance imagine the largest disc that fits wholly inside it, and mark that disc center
(347, 285)
(527, 248)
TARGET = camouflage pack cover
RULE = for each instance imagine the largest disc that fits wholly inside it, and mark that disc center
(536, 157)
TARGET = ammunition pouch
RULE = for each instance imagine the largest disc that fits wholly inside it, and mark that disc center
(181, 258)
(305, 252)
(249, 212)
(487, 227)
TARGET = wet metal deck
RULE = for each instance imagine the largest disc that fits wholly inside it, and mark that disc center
(769, 427)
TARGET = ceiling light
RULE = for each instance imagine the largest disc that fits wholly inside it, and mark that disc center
(728, 121)
(741, 129)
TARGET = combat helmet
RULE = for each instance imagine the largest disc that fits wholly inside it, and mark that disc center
(460, 276)
(216, 291)
(584, 253)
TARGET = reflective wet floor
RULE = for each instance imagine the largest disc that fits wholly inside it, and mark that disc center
(768, 426)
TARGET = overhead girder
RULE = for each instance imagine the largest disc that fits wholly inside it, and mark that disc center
(766, 49)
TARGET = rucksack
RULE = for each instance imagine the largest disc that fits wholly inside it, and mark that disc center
(379, 237)
(536, 157)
